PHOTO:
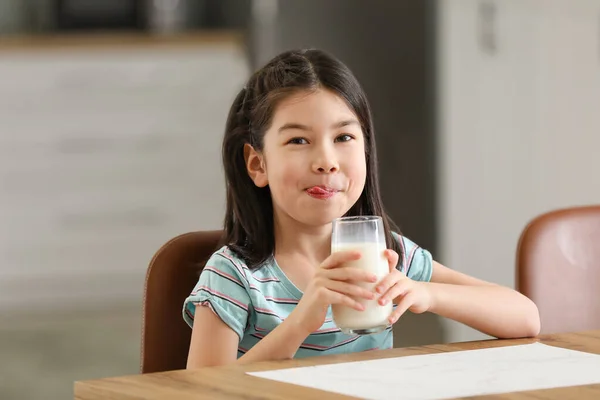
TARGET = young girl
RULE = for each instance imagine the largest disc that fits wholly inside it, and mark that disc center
(299, 151)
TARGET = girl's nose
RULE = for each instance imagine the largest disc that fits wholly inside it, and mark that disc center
(325, 163)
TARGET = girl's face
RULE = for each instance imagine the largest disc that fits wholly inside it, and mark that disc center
(313, 158)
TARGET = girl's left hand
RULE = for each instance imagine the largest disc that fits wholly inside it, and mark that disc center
(406, 293)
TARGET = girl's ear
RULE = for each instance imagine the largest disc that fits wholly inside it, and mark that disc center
(255, 164)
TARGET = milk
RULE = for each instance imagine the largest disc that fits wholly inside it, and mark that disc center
(374, 315)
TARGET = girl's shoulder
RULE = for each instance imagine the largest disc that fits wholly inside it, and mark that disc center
(228, 262)
(415, 262)
(405, 243)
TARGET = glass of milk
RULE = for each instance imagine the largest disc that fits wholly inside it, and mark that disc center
(364, 234)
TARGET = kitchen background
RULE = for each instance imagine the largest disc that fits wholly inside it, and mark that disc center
(112, 114)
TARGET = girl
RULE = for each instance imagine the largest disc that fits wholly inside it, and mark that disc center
(299, 151)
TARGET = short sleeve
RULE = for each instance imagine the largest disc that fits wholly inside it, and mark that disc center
(222, 287)
(416, 262)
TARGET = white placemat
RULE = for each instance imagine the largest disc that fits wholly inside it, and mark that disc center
(450, 375)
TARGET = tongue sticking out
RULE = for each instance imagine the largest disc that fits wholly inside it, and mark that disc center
(318, 190)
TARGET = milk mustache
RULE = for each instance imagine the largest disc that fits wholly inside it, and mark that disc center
(374, 315)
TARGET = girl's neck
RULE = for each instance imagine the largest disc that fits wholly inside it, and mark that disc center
(312, 243)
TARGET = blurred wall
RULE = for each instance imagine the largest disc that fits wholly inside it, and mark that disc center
(12, 18)
(519, 94)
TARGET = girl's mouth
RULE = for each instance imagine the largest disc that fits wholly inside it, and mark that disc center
(321, 192)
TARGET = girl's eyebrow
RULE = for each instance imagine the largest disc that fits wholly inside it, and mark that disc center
(337, 125)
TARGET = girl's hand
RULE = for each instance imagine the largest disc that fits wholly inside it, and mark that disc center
(406, 293)
(333, 283)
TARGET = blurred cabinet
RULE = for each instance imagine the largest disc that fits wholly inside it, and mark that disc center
(105, 154)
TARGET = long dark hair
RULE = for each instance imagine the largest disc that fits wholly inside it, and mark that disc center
(249, 229)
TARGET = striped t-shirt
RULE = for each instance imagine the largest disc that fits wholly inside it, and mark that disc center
(254, 302)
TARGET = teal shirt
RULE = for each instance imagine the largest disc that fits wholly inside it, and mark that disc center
(253, 303)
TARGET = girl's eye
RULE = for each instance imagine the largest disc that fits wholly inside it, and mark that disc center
(344, 138)
(297, 140)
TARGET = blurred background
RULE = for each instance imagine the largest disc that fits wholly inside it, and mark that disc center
(112, 114)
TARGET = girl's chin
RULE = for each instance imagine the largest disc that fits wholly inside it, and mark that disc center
(315, 218)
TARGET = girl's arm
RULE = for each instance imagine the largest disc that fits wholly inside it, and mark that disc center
(214, 343)
(492, 309)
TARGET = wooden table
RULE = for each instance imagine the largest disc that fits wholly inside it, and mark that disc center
(231, 382)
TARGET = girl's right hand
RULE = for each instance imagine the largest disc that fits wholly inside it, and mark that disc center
(333, 283)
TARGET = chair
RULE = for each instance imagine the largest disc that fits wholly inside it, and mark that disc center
(558, 267)
(171, 276)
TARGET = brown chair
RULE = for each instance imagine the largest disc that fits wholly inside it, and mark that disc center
(171, 276)
(558, 267)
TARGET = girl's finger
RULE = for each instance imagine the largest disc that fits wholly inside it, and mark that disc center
(388, 281)
(349, 289)
(339, 298)
(392, 258)
(398, 289)
(340, 257)
(403, 305)
(350, 274)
